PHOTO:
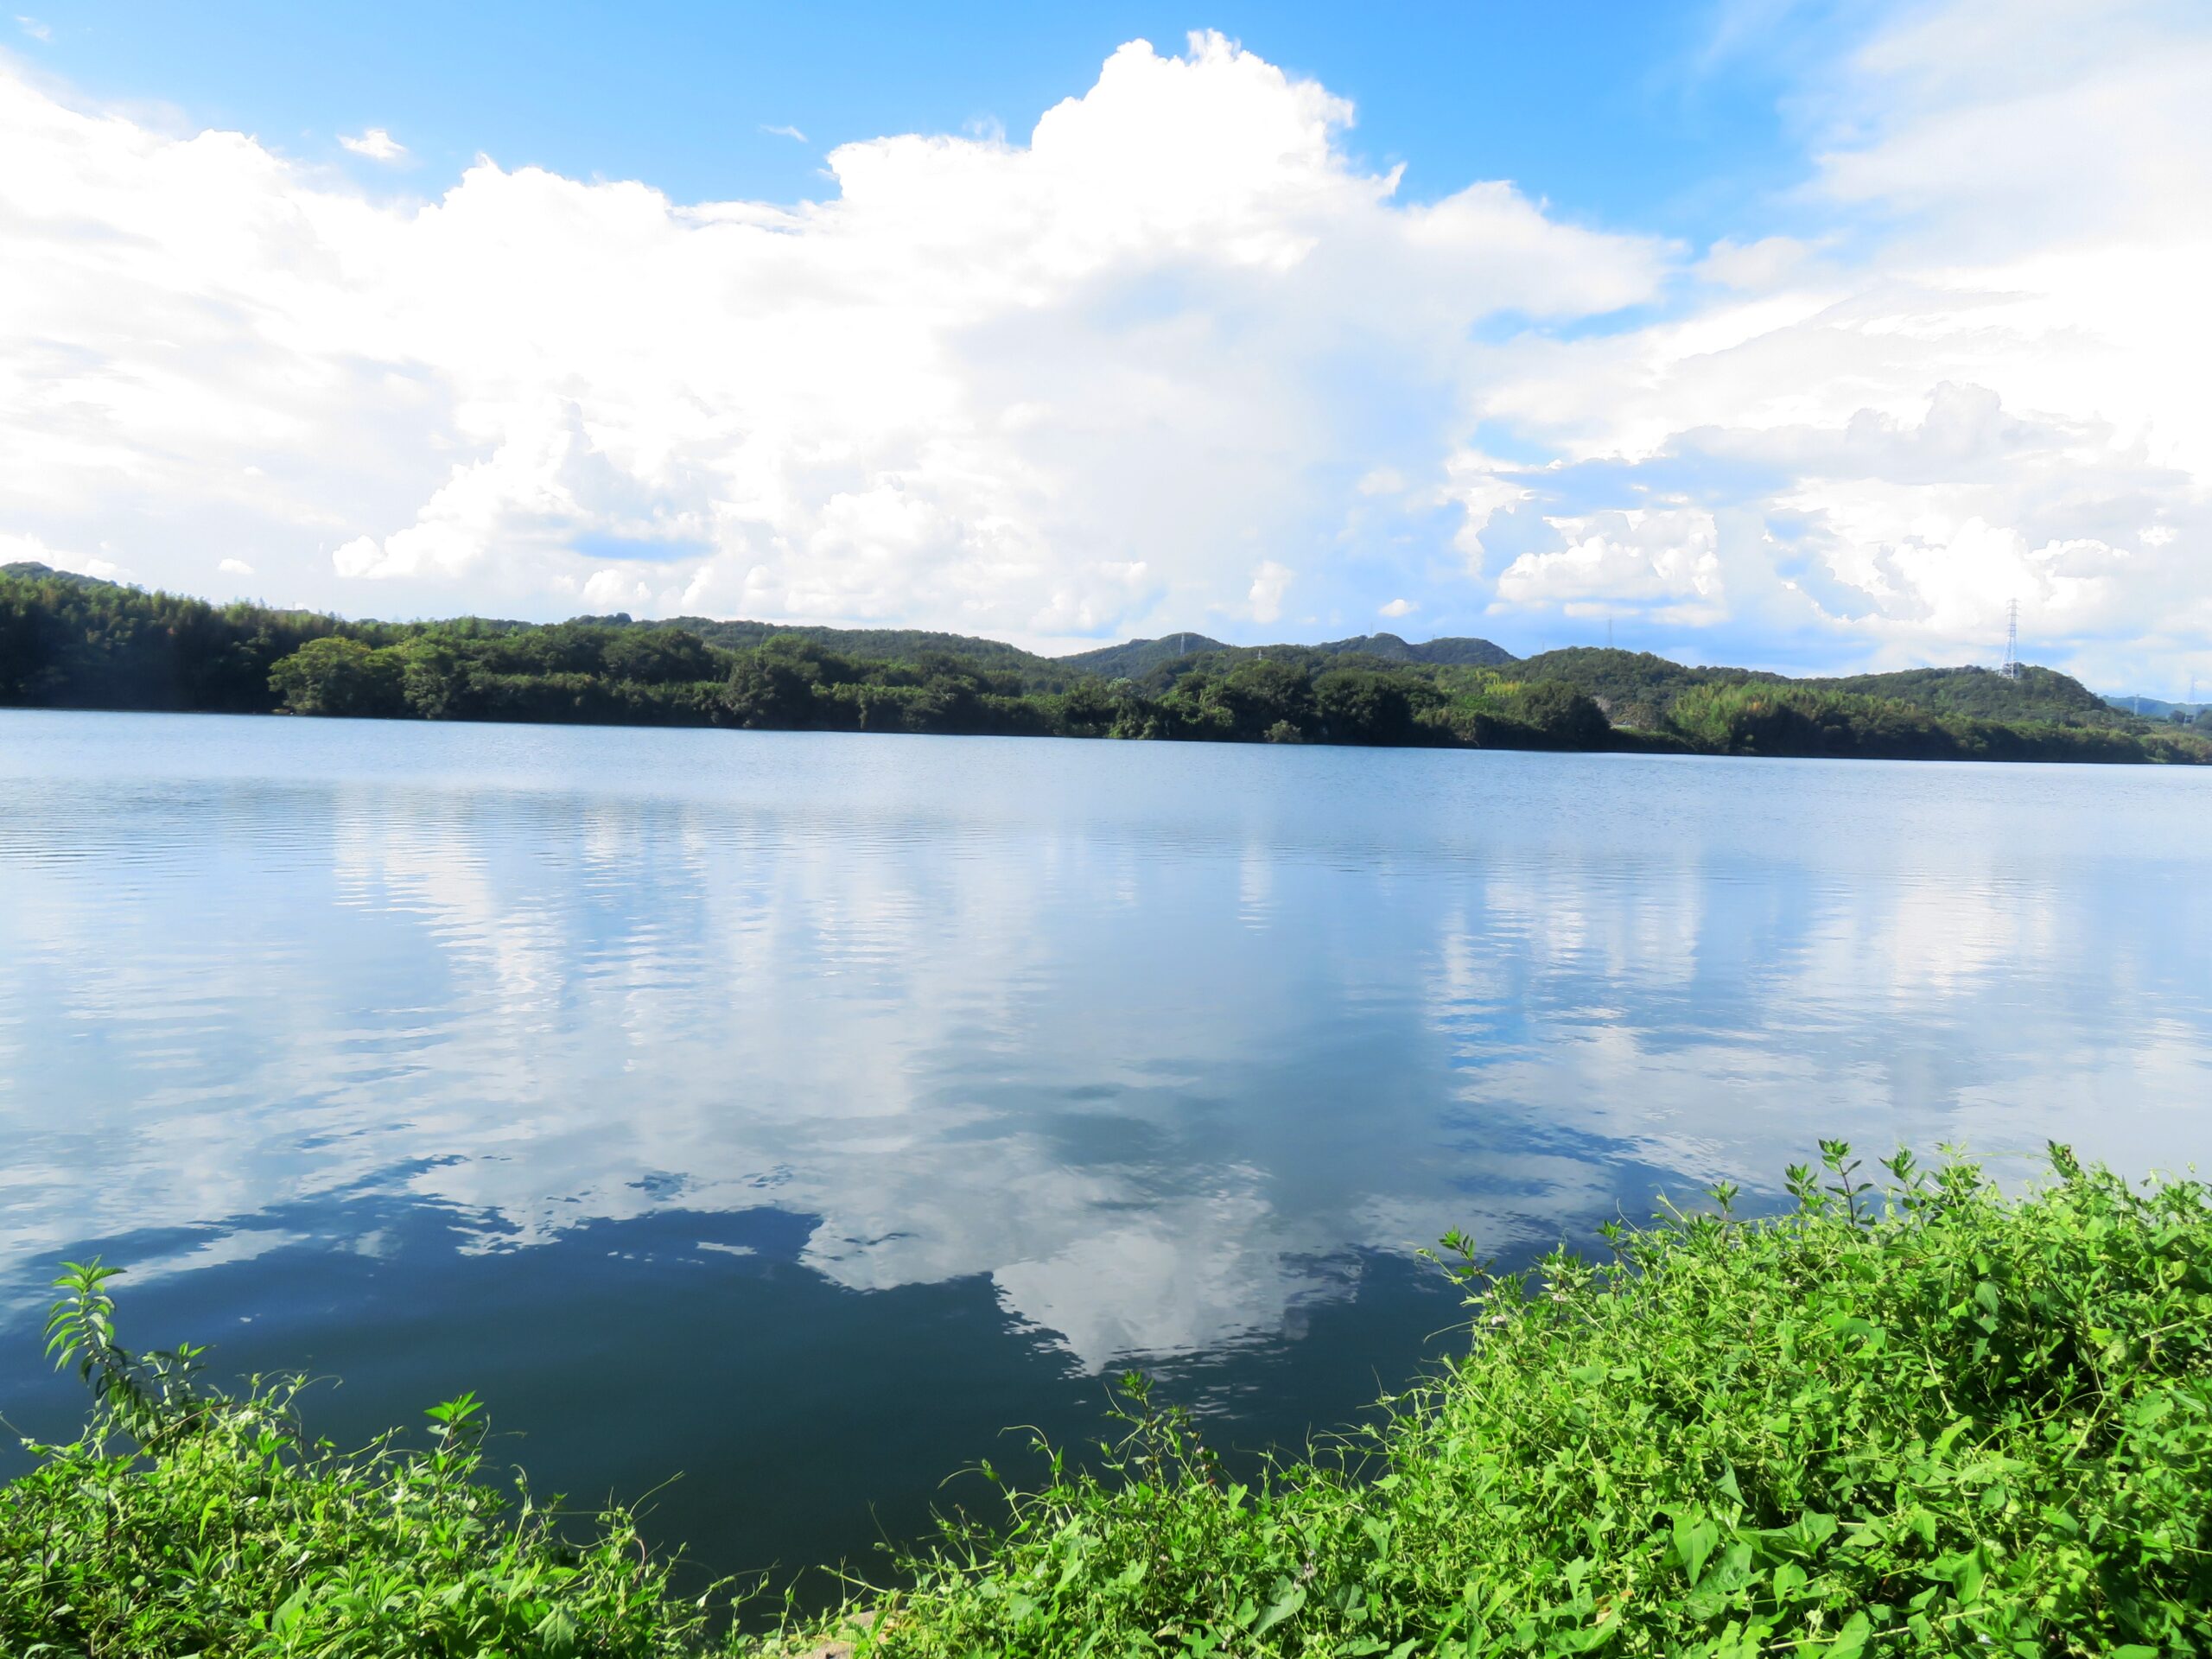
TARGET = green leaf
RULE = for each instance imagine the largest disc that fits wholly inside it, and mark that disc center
(1694, 1538)
(1289, 1598)
(1851, 1641)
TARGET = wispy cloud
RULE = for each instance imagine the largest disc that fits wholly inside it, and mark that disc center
(792, 133)
(35, 29)
(376, 144)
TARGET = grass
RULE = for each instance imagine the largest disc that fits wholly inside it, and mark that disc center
(1922, 1418)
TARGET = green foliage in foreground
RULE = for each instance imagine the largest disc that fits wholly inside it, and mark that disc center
(1922, 1420)
(186, 1522)
(1927, 1420)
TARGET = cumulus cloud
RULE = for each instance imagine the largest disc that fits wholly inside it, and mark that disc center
(1864, 459)
(1269, 584)
(376, 144)
(235, 568)
(1398, 607)
(1765, 264)
(1133, 370)
(1065, 387)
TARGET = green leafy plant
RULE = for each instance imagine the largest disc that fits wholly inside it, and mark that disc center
(189, 1522)
(151, 1397)
(1912, 1415)
(1908, 1417)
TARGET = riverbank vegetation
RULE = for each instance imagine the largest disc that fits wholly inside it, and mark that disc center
(74, 642)
(1916, 1418)
(186, 1521)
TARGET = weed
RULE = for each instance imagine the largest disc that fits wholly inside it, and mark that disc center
(1915, 1419)
(1910, 1417)
(185, 1522)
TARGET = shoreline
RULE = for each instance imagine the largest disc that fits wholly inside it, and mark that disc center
(1628, 740)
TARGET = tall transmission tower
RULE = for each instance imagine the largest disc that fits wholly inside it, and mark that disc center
(2011, 668)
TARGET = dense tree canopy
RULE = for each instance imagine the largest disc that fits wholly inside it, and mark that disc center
(71, 642)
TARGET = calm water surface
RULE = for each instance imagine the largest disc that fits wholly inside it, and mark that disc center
(796, 1112)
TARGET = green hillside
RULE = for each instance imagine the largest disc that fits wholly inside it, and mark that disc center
(1640, 691)
(871, 645)
(71, 643)
(1135, 659)
(74, 642)
(1983, 694)
(1636, 688)
(1389, 648)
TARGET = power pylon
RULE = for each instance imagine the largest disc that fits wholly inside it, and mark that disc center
(2011, 668)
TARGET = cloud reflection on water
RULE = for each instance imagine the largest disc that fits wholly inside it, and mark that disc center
(1158, 1041)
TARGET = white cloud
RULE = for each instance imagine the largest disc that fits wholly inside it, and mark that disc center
(1398, 607)
(1761, 265)
(35, 29)
(1269, 584)
(235, 568)
(1667, 556)
(1132, 372)
(376, 144)
(610, 590)
(792, 133)
(1079, 386)
(1865, 459)
(31, 550)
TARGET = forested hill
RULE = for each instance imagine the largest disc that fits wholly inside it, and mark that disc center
(870, 644)
(1388, 647)
(1640, 689)
(1136, 658)
(76, 642)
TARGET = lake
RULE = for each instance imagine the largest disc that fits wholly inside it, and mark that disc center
(796, 1113)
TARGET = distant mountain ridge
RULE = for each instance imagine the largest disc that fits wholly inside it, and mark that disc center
(878, 645)
(1454, 650)
(1134, 658)
(1635, 690)
(79, 642)
(32, 570)
(2155, 708)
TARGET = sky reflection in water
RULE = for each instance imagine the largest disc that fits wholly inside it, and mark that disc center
(797, 1112)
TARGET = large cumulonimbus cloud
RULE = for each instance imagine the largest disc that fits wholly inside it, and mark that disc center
(1175, 360)
(1129, 368)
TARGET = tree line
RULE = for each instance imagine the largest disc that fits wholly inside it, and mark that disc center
(74, 642)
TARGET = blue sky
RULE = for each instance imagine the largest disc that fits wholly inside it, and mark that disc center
(1663, 117)
(1783, 333)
